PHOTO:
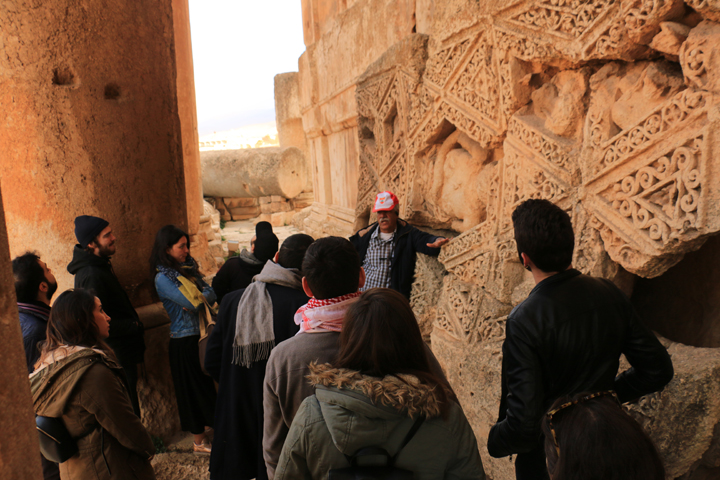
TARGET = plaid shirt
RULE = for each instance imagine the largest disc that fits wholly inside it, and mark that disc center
(378, 261)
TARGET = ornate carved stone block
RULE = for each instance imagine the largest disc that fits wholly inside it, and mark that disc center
(700, 59)
(429, 274)
(582, 30)
(466, 77)
(468, 314)
(527, 173)
(709, 9)
(653, 186)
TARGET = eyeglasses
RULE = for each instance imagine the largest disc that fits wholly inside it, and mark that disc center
(553, 412)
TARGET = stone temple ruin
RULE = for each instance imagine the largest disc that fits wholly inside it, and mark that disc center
(463, 108)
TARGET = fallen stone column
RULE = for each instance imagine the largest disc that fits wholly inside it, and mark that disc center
(254, 172)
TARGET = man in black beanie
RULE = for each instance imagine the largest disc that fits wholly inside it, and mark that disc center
(239, 270)
(93, 271)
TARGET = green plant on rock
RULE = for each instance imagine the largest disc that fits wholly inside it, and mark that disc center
(159, 444)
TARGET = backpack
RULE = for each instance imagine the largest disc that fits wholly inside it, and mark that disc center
(56, 444)
(376, 472)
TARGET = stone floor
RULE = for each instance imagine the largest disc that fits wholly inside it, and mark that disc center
(180, 463)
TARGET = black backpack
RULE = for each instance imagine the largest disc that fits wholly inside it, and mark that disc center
(376, 472)
(56, 444)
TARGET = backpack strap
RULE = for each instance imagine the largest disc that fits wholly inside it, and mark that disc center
(377, 451)
(408, 437)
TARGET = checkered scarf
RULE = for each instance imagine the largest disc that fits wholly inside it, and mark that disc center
(328, 314)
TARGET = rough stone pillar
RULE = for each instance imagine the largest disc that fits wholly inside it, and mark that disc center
(19, 448)
(92, 125)
(187, 112)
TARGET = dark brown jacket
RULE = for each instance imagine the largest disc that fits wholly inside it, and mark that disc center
(85, 389)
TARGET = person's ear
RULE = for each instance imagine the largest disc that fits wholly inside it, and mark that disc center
(275, 259)
(361, 280)
(527, 263)
(44, 286)
(306, 287)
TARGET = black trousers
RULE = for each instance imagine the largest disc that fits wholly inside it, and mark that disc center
(51, 471)
(131, 373)
(531, 465)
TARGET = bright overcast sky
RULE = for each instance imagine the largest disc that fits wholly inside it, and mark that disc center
(238, 47)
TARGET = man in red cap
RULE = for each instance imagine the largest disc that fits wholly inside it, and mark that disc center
(388, 248)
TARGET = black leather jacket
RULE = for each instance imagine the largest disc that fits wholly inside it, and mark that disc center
(566, 338)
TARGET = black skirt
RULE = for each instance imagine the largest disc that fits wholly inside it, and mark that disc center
(194, 391)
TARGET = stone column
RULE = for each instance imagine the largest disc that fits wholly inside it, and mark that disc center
(19, 448)
(91, 124)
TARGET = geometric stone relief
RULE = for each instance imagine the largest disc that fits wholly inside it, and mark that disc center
(465, 79)
(651, 186)
(582, 30)
(429, 274)
(482, 128)
(540, 101)
(385, 102)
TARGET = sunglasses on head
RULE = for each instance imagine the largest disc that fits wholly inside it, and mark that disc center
(564, 406)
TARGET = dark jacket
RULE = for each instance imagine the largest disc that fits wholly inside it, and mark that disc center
(33, 323)
(87, 390)
(567, 338)
(126, 329)
(235, 274)
(408, 241)
(237, 446)
(342, 418)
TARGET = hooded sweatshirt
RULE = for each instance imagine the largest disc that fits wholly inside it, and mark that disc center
(350, 411)
(126, 330)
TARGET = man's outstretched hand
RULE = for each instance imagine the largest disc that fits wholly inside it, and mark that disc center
(438, 243)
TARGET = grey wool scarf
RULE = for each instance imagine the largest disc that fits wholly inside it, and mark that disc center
(254, 334)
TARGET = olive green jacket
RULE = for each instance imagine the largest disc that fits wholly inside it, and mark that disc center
(350, 411)
(86, 389)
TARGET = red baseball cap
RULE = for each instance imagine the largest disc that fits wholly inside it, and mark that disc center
(385, 201)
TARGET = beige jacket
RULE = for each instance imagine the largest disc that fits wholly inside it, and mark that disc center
(85, 388)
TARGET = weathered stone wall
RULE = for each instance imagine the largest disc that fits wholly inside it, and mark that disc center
(606, 108)
(342, 38)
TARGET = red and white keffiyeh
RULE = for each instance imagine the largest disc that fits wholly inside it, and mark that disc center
(324, 315)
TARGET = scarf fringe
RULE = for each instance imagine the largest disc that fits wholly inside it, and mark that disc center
(246, 355)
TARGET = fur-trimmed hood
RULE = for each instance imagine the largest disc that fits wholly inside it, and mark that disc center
(406, 394)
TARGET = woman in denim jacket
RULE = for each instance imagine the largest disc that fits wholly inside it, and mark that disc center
(181, 288)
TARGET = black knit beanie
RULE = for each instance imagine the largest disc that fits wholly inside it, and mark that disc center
(263, 227)
(87, 228)
(266, 242)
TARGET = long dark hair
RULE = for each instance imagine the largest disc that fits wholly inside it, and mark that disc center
(380, 336)
(72, 322)
(166, 237)
(597, 440)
